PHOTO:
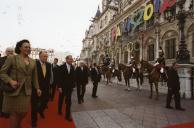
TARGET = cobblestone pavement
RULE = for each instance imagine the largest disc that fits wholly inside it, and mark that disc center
(116, 107)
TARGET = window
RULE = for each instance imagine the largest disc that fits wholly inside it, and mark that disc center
(151, 52)
(170, 49)
(193, 45)
(126, 57)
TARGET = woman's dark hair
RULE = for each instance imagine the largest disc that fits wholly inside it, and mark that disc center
(19, 45)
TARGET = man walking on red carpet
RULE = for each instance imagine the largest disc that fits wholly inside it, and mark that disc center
(66, 85)
(39, 104)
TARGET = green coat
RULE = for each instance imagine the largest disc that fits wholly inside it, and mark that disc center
(26, 77)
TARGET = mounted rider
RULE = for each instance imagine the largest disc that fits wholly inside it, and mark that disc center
(160, 64)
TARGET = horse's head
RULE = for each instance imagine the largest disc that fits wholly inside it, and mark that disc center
(146, 65)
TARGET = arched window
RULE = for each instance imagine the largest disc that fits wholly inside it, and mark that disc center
(170, 45)
(170, 48)
(126, 57)
(150, 49)
(151, 52)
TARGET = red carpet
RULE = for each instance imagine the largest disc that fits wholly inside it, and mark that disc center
(52, 120)
(186, 125)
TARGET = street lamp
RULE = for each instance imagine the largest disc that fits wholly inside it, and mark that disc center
(142, 35)
(183, 56)
(157, 32)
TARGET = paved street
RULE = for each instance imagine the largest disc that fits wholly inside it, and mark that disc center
(117, 108)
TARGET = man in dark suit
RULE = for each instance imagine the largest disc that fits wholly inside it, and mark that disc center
(39, 104)
(81, 80)
(54, 84)
(173, 84)
(95, 76)
(8, 52)
(66, 85)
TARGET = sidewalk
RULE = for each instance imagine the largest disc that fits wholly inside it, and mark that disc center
(117, 108)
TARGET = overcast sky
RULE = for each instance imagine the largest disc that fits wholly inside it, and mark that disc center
(57, 24)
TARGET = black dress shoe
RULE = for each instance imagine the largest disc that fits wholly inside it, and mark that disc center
(42, 115)
(6, 115)
(82, 100)
(68, 119)
(94, 96)
(60, 113)
(180, 109)
(169, 107)
(1, 114)
(34, 126)
(79, 102)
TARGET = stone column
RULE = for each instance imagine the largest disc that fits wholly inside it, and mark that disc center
(184, 72)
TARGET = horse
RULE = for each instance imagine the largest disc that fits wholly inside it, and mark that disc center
(153, 76)
(107, 72)
(117, 73)
(129, 72)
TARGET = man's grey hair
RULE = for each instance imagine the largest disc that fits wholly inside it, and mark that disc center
(9, 49)
(67, 57)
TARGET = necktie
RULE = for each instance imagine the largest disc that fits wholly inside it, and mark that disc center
(43, 69)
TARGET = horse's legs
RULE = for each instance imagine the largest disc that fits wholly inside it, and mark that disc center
(157, 93)
(126, 82)
(137, 79)
(151, 90)
(141, 78)
(129, 86)
(106, 80)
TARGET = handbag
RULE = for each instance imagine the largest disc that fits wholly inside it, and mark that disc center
(6, 87)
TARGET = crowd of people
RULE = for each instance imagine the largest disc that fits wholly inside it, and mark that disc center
(34, 82)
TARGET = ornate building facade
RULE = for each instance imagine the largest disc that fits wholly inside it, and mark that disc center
(136, 28)
(126, 29)
(35, 53)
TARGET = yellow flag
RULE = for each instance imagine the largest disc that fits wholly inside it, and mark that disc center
(118, 31)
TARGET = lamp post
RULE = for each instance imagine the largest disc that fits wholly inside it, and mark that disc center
(157, 32)
(142, 35)
(183, 56)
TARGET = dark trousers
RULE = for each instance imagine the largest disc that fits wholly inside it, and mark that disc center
(38, 105)
(94, 90)
(35, 103)
(1, 101)
(52, 91)
(81, 89)
(176, 95)
(43, 102)
(67, 102)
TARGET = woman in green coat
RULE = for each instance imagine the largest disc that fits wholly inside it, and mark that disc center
(23, 75)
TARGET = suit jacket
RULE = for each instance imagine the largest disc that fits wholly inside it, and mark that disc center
(44, 82)
(95, 76)
(55, 73)
(173, 79)
(2, 61)
(26, 77)
(81, 76)
(66, 80)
